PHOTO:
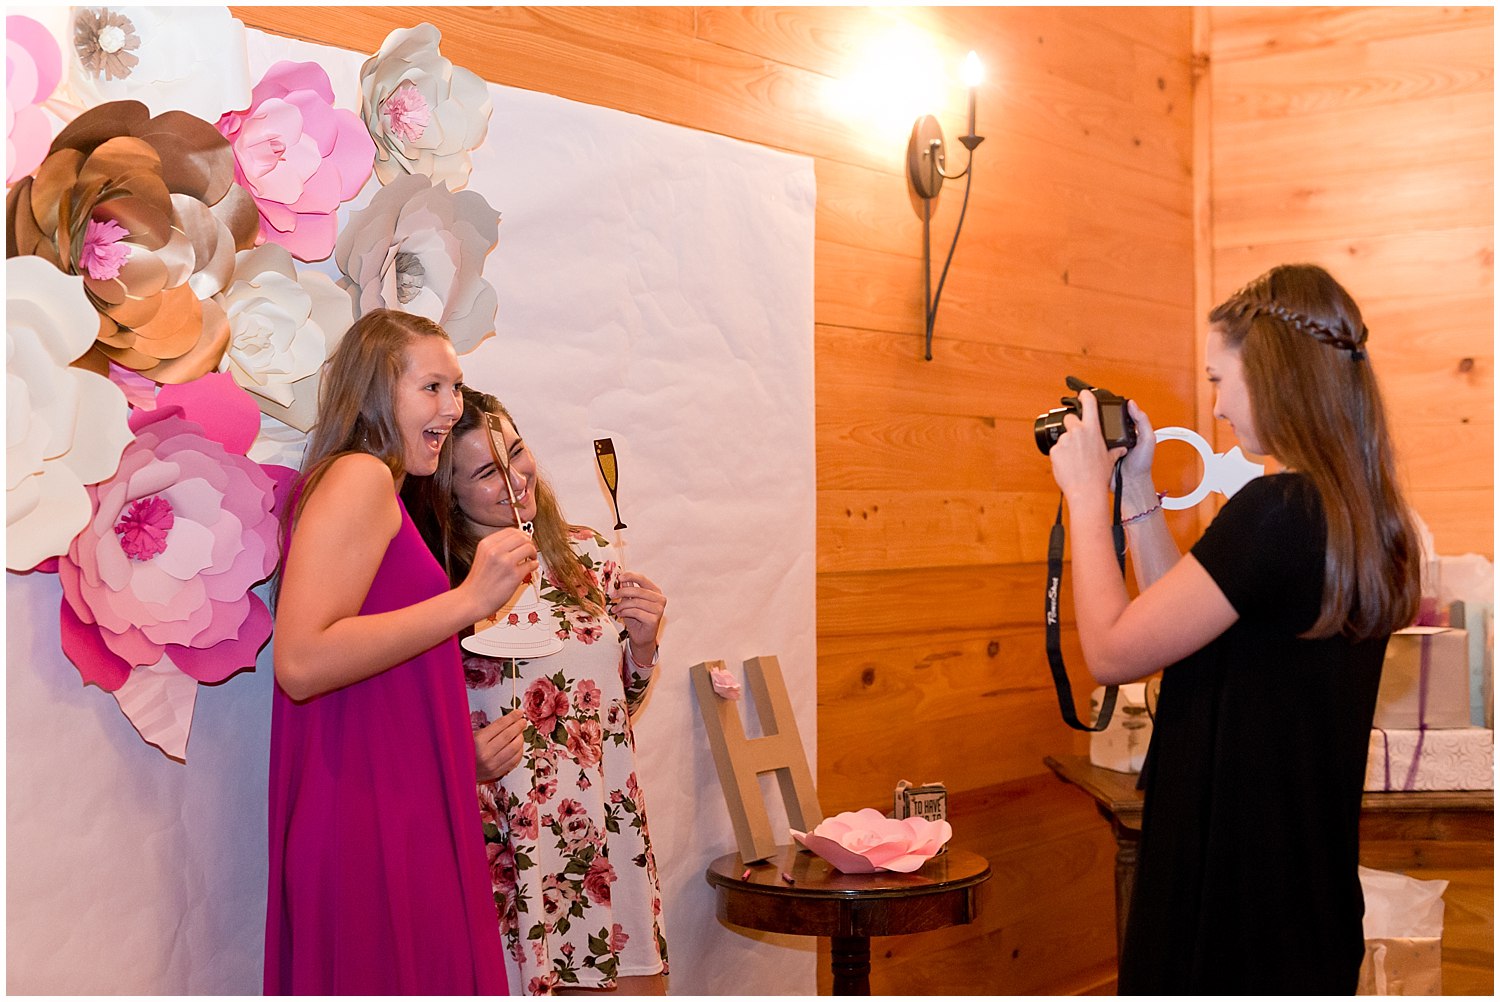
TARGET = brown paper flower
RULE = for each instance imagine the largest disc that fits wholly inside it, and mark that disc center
(105, 41)
(146, 211)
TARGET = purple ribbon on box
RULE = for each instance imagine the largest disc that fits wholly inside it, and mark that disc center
(1416, 755)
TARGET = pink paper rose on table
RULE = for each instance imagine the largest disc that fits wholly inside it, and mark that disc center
(299, 157)
(179, 536)
(865, 841)
(33, 66)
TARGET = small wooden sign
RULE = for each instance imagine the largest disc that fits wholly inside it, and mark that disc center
(741, 760)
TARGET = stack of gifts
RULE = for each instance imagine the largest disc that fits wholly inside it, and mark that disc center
(1434, 714)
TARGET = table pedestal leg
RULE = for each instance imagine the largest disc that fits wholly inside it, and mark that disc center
(1127, 854)
(851, 965)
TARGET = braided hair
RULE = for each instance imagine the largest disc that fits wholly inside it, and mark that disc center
(1302, 343)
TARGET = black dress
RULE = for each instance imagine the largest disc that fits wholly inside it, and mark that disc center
(1248, 879)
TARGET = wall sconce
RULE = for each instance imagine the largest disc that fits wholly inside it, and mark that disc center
(925, 160)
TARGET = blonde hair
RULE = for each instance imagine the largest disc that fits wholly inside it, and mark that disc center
(1318, 410)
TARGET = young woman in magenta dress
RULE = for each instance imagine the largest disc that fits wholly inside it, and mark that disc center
(573, 871)
(1273, 630)
(378, 881)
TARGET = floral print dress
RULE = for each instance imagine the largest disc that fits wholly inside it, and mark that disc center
(570, 855)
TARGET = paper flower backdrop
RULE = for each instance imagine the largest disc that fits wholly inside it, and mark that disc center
(420, 248)
(283, 324)
(153, 304)
(425, 114)
(33, 66)
(64, 427)
(190, 59)
(298, 156)
(177, 538)
(147, 211)
(864, 841)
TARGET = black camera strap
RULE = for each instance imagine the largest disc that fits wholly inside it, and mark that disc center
(1054, 620)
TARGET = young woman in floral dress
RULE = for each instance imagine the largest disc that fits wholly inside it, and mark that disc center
(570, 854)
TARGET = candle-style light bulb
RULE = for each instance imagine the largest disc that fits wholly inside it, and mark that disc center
(973, 75)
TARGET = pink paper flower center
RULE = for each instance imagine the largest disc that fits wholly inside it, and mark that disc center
(143, 528)
(103, 254)
(258, 159)
(406, 112)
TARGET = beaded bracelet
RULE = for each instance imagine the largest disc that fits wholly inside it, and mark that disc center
(1148, 512)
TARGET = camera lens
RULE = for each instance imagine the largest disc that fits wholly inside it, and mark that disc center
(1049, 428)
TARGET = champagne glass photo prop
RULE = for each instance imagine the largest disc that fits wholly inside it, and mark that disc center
(522, 627)
(609, 469)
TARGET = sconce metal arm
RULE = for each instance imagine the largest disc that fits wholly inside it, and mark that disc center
(924, 168)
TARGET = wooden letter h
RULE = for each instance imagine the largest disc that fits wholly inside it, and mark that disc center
(741, 760)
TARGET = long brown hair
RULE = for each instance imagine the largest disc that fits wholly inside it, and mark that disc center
(1317, 407)
(434, 508)
(357, 403)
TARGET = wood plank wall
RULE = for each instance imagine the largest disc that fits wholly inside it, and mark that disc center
(1362, 138)
(1077, 256)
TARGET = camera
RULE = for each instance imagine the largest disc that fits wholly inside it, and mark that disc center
(1114, 418)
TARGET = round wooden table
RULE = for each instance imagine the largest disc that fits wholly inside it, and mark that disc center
(847, 907)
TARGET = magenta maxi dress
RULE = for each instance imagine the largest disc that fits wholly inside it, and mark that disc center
(378, 879)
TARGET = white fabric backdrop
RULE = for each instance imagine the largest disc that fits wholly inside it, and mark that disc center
(655, 286)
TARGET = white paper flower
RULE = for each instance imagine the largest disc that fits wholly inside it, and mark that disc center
(425, 114)
(420, 248)
(64, 427)
(283, 325)
(191, 59)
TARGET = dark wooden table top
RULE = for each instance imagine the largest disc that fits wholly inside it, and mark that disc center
(821, 901)
(1441, 813)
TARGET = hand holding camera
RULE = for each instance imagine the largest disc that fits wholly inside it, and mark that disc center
(1087, 460)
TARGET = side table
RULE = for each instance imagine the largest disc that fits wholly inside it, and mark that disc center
(847, 907)
(1459, 815)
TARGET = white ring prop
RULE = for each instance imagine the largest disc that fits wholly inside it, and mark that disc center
(1225, 473)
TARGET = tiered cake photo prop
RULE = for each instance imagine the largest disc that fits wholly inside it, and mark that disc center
(522, 627)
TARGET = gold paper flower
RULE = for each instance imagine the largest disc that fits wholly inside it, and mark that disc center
(146, 211)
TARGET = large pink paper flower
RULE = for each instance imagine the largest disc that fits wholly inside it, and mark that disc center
(865, 841)
(298, 156)
(33, 66)
(179, 536)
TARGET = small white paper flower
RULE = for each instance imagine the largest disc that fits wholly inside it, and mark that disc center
(283, 325)
(64, 427)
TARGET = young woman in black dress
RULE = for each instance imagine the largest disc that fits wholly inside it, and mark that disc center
(1272, 631)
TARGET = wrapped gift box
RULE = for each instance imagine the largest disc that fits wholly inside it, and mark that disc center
(1479, 619)
(1121, 746)
(1432, 657)
(1462, 759)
